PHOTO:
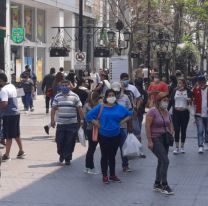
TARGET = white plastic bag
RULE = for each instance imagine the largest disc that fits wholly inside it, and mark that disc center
(131, 147)
(81, 136)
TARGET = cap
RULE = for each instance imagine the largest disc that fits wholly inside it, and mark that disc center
(116, 86)
(201, 77)
(161, 96)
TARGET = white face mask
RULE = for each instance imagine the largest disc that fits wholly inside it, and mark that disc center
(111, 100)
(163, 105)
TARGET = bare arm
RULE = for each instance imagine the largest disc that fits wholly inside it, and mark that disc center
(53, 113)
(3, 105)
(148, 124)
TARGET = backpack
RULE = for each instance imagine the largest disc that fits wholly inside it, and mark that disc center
(131, 97)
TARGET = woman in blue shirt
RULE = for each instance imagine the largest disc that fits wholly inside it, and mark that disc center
(112, 116)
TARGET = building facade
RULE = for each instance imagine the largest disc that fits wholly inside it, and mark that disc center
(37, 17)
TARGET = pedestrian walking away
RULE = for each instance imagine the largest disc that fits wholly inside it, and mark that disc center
(157, 123)
(111, 117)
(47, 88)
(65, 106)
(11, 117)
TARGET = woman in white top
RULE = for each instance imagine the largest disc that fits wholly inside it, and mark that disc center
(180, 100)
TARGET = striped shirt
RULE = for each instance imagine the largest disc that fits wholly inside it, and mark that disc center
(67, 108)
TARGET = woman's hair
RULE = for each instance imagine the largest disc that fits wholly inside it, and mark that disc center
(93, 98)
(107, 93)
(184, 82)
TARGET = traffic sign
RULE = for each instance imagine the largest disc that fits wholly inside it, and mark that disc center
(80, 56)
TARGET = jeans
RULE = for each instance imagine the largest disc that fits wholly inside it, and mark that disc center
(27, 99)
(161, 152)
(202, 130)
(65, 139)
(180, 122)
(89, 162)
(109, 147)
(122, 140)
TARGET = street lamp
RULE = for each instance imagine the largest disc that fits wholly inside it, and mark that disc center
(127, 36)
(163, 43)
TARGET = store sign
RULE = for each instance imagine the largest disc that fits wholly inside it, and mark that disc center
(18, 35)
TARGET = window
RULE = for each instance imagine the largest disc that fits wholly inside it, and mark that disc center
(16, 16)
(41, 25)
(29, 23)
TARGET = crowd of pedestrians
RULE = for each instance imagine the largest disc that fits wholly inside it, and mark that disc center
(115, 109)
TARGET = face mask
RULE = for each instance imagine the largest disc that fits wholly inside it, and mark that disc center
(163, 105)
(111, 100)
(125, 83)
(156, 79)
(65, 90)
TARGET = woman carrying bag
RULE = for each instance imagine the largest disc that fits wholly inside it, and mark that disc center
(159, 131)
(110, 120)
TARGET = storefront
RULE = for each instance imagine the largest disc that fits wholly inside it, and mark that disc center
(31, 50)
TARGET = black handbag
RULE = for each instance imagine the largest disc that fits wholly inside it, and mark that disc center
(168, 138)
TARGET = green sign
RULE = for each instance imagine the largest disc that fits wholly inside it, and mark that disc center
(18, 35)
(2, 35)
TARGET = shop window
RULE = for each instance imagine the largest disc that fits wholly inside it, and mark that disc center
(29, 18)
(16, 60)
(41, 25)
(40, 64)
(29, 57)
(16, 15)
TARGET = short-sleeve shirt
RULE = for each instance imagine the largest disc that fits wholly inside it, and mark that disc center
(67, 108)
(157, 127)
(134, 90)
(9, 94)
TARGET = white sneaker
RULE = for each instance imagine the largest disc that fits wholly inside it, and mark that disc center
(182, 150)
(206, 146)
(26, 112)
(93, 171)
(176, 151)
(201, 150)
(86, 170)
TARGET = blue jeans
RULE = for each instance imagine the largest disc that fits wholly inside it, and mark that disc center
(202, 130)
(27, 99)
(123, 134)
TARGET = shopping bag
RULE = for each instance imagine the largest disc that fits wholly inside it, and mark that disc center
(81, 137)
(131, 147)
(95, 133)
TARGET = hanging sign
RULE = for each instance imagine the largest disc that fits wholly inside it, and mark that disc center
(18, 35)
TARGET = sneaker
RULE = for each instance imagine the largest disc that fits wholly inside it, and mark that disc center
(47, 111)
(5, 158)
(105, 180)
(86, 170)
(182, 150)
(157, 187)
(67, 161)
(176, 151)
(32, 109)
(200, 151)
(114, 179)
(93, 171)
(167, 190)
(46, 128)
(206, 146)
(61, 159)
(21, 154)
(26, 112)
(142, 155)
(126, 169)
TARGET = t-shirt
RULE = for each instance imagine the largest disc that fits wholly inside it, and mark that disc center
(67, 108)
(27, 85)
(9, 94)
(134, 90)
(110, 119)
(181, 98)
(157, 127)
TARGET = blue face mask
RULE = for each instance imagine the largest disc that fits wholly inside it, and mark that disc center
(65, 90)
(125, 83)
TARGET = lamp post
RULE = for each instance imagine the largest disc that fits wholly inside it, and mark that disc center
(112, 36)
(163, 43)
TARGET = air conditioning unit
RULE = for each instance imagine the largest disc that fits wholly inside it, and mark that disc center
(102, 52)
(59, 52)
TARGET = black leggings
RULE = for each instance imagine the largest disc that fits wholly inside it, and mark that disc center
(109, 147)
(180, 122)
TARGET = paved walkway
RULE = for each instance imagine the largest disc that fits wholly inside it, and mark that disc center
(38, 180)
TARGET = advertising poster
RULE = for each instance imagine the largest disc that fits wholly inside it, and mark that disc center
(28, 23)
(39, 70)
(41, 25)
(18, 69)
(15, 17)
